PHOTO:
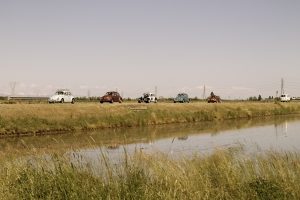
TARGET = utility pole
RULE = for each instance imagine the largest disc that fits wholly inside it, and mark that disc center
(282, 86)
(204, 92)
(12, 86)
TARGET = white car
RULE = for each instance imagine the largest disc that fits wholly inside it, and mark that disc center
(148, 98)
(285, 98)
(62, 96)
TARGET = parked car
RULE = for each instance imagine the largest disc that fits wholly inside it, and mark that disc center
(111, 97)
(285, 98)
(62, 96)
(213, 98)
(148, 98)
(182, 98)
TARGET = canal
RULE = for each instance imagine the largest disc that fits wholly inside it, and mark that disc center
(176, 140)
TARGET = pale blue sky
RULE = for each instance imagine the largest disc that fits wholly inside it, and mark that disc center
(236, 48)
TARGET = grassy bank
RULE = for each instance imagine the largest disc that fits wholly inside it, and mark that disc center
(222, 175)
(19, 119)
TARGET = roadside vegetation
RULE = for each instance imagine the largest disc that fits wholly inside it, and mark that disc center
(28, 119)
(225, 174)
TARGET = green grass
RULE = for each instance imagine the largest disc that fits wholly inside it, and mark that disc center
(28, 119)
(226, 174)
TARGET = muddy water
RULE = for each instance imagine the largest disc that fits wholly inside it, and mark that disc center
(259, 135)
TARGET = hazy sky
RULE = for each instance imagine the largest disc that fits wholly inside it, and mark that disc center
(236, 48)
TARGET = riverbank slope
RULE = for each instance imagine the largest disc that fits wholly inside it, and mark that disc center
(30, 119)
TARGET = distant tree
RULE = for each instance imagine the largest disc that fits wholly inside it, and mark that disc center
(252, 98)
(259, 98)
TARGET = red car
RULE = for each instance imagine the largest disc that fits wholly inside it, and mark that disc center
(111, 97)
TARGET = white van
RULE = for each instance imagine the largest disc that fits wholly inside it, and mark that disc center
(285, 98)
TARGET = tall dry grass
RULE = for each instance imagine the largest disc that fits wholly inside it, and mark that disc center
(226, 174)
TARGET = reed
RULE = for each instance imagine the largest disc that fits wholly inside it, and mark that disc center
(226, 174)
(28, 119)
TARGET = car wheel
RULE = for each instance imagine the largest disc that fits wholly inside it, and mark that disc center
(73, 101)
(62, 101)
(101, 102)
(112, 101)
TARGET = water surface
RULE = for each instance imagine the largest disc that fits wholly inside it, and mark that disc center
(258, 135)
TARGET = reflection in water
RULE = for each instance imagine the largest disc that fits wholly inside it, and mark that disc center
(183, 137)
(286, 126)
(113, 146)
(279, 133)
(281, 128)
(253, 137)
